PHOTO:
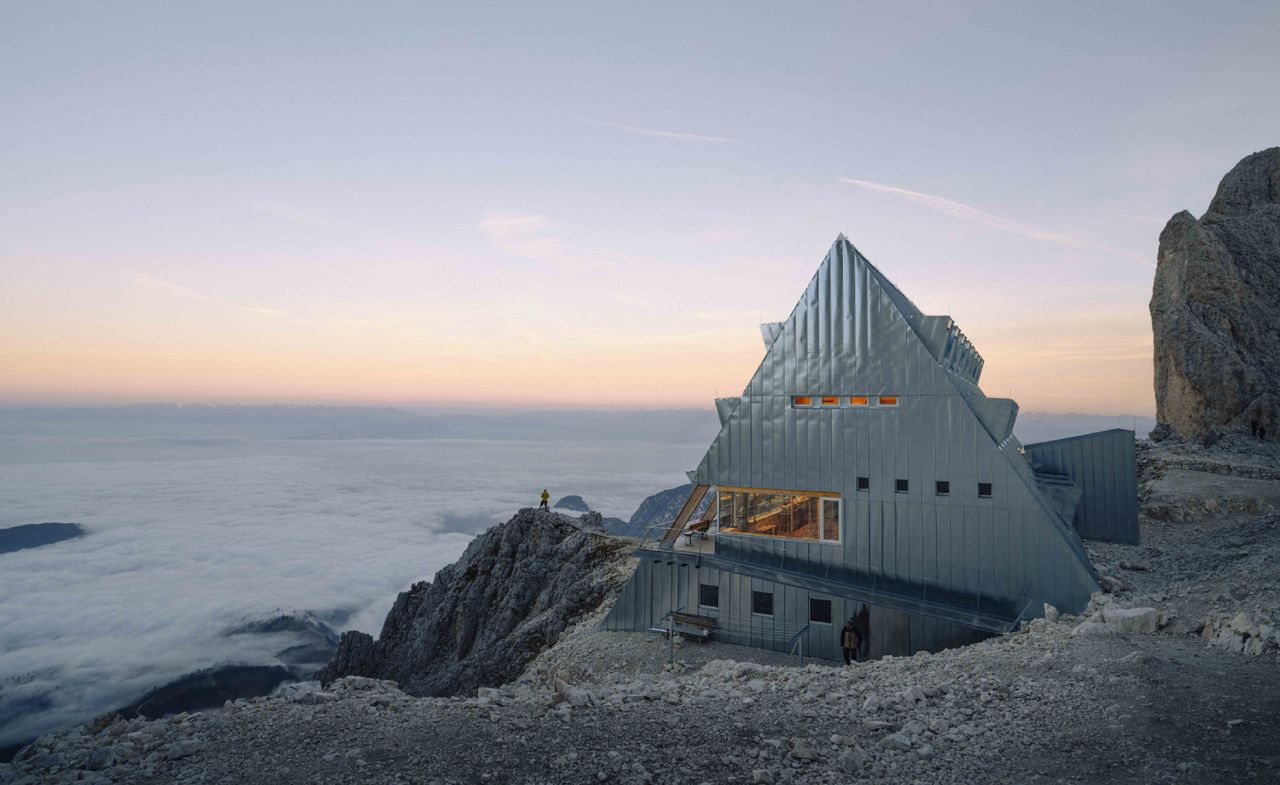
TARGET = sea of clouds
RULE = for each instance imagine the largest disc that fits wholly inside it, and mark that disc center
(187, 536)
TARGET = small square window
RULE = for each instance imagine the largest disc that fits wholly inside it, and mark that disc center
(802, 400)
(864, 483)
(820, 611)
(942, 488)
(899, 486)
(858, 400)
(708, 595)
(762, 603)
(888, 400)
(984, 490)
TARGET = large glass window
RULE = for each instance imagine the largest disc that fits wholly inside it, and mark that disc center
(770, 513)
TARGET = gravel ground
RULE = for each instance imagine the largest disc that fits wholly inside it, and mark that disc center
(1170, 694)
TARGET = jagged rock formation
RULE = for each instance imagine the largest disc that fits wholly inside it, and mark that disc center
(509, 596)
(1215, 310)
(661, 507)
(571, 502)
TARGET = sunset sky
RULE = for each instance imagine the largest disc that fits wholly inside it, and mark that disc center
(590, 204)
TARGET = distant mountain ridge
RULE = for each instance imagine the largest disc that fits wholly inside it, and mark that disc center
(284, 421)
(352, 422)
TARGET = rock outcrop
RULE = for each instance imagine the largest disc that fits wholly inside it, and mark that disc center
(572, 502)
(34, 535)
(1215, 310)
(509, 596)
(661, 507)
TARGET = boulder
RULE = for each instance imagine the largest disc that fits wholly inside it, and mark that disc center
(1214, 309)
(1092, 629)
(1136, 620)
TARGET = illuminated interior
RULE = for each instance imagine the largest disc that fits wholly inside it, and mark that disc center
(770, 513)
(843, 401)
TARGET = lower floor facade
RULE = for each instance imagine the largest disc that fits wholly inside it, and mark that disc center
(753, 611)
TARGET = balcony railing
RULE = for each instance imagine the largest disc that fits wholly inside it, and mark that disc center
(960, 600)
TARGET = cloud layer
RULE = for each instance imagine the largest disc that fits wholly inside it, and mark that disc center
(187, 537)
(968, 212)
(675, 136)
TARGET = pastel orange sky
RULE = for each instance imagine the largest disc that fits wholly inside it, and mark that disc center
(424, 207)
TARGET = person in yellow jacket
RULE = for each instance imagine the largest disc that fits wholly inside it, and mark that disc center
(545, 496)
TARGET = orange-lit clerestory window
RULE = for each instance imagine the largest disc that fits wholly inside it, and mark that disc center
(858, 400)
(830, 400)
(802, 400)
(888, 400)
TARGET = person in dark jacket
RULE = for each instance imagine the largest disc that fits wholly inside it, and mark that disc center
(850, 641)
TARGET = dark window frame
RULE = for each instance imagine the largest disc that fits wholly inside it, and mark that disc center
(942, 488)
(864, 484)
(819, 602)
(984, 490)
(714, 589)
(901, 486)
(756, 597)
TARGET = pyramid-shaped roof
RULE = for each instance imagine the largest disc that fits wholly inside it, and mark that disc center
(853, 332)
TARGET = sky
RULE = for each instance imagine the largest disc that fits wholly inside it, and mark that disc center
(559, 205)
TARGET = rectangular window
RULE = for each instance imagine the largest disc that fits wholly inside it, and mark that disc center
(888, 400)
(762, 603)
(858, 400)
(819, 611)
(864, 483)
(943, 488)
(831, 519)
(775, 513)
(830, 400)
(708, 595)
(802, 400)
(899, 486)
(984, 490)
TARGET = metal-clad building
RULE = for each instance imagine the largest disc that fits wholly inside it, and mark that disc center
(1102, 467)
(863, 468)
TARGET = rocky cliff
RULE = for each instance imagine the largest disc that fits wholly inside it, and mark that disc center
(661, 507)
(1215, 310)
(509, 596)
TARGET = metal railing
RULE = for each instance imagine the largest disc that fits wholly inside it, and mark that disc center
(796, 644)
(985, 608)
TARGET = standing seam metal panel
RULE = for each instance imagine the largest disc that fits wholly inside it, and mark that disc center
(1103, 466)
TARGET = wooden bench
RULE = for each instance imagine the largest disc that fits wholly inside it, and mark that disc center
(699, 528)
(693, 625)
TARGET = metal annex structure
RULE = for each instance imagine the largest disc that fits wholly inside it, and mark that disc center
(863, 473)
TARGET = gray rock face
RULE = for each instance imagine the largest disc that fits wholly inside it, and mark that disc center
(1215, 310)
(661, 507)
(575, 503)
(509, 596)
